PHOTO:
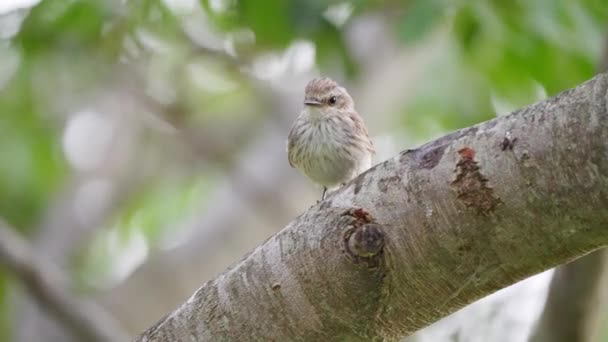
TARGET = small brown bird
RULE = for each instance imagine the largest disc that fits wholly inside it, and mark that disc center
(328, 142)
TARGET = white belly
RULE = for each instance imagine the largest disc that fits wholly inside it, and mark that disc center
(326, 162)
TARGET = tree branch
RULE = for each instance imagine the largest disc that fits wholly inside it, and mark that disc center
(572, 311)
(46, 284)
(438, 227)
(577, 293)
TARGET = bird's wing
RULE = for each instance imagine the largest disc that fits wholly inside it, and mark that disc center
(290, 146)
(362, 131)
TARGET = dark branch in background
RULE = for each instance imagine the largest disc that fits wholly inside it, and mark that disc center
(48, 286)
(574, 305)
(578, 290)
(421, 235)
(63, 233)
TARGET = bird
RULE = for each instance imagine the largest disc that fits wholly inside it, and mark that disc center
(328, 142)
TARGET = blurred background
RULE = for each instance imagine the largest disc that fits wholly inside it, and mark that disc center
(142, 142)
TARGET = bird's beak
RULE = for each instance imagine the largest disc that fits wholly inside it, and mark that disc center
(312, 103)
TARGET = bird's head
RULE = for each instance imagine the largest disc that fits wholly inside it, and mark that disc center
(324, 96)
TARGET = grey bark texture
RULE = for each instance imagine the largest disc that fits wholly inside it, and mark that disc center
(421, 235)
(572, 312)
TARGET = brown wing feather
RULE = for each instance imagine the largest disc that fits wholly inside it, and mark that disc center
(290, 145)
(362, 131)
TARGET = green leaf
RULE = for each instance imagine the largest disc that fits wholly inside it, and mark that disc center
(467, 27)
(515, 43)
(32, 166)
(6, 313)
(70, 24)
(421, 17)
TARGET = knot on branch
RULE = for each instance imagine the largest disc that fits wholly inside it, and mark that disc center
(364, 239)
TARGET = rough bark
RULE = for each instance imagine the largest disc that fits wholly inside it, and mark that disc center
(438, 227)
(577, 292)
(507, 315)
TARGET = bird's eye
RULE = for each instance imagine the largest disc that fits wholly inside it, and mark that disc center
(332, 100)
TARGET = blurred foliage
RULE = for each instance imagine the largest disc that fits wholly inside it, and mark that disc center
(32, 167)
(67, 50)
(62, 26)
(152, 214)
(501, 51)
(604, 329)
(420, 18)
(277, 23)
(556, 43)
(6, 309)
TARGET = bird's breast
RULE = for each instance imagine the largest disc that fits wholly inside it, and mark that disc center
(324, 154)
